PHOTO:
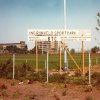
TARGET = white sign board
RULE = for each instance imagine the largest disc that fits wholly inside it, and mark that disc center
(59, 35)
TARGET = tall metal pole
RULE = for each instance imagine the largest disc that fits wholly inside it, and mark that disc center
(65, 60)
(60, 57)
(64, 14)
(65, 54)
(36, 56)
(13, 66)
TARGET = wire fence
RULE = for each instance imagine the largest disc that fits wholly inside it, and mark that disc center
(54, 61)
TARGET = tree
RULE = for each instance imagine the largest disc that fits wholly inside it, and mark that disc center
(95, 49)
(14, 49)
(72, 50)
(98, 21)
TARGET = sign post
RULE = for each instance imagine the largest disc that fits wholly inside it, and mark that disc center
(59, 35)
(83, 56)
(60, 57)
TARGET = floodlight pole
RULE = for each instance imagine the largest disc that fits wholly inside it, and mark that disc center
(65, 54)
(60, 57)
(64, 14)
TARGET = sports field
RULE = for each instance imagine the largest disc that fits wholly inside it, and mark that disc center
(53, 60)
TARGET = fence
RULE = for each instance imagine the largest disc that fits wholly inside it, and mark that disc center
(53, 60)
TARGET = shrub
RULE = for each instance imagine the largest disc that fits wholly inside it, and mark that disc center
(80, 80)
(6, 69)
(88, 89)
(58, 78)
(96, 78)
(3, 86)
(55, 78)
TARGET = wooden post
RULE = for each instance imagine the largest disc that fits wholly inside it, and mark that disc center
(83, 57)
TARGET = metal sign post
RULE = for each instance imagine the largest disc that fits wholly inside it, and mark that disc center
(60, 57)
(59, 35)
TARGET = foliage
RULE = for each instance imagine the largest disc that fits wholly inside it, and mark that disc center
(57, 78)
(33, 51)
(98, 21)
(95, 49)
(6, 69)
(14, 49)
(88, 89)
(72, 50)
(96, 77)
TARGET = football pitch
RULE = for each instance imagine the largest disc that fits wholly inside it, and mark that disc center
(54, 60)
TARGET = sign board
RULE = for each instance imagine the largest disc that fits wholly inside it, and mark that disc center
(59, 35)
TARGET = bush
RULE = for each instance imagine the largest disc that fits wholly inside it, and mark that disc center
(23, 72)
(58, 78)
(96, 78)
(6, 69)
(88, 89)
(40, 76)
(80, 80)
(55, 78)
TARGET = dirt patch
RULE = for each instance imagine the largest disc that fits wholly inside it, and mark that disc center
(45, 91)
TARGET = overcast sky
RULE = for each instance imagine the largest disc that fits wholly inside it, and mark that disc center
(17, 16)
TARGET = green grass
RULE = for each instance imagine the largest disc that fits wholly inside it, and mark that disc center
(53, 60)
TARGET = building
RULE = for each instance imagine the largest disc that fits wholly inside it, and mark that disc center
(20, 45)
(53, 47)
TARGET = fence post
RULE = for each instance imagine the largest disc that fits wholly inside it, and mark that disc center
(13, 66)
(47, 65)
(89, 69)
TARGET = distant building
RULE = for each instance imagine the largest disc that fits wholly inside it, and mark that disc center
(3, 46)
(53, 47)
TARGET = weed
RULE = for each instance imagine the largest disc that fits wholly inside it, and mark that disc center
(16, 94)
(3, 93)
(89, 98)
(56, 97)
(3, 86)
(88, 89)
(33, 96)
(64, 93)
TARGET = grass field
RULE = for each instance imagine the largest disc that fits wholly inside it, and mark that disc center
(53, 60)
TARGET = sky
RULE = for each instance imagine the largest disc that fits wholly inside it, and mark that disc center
(17, 16)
